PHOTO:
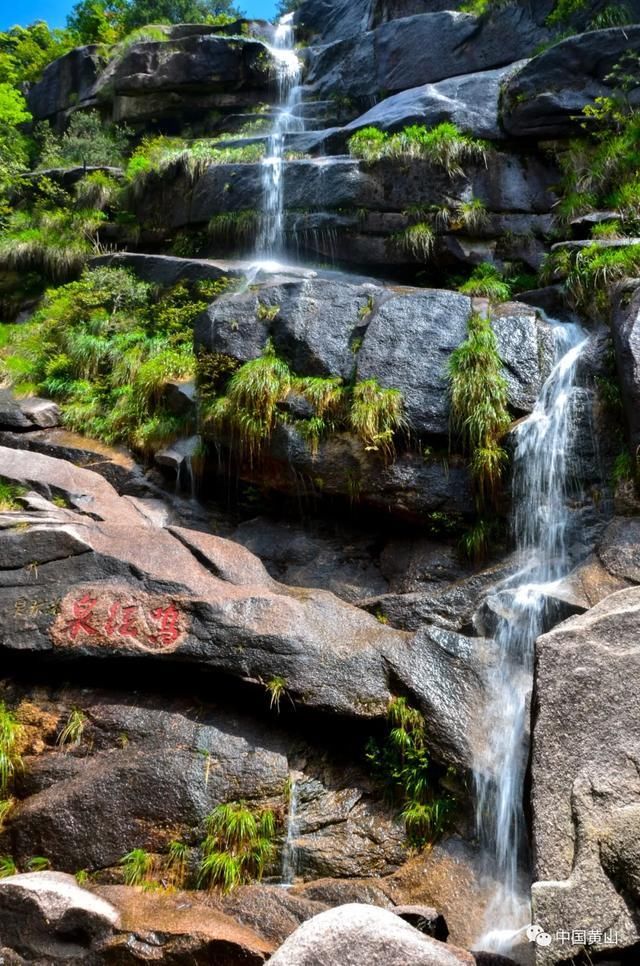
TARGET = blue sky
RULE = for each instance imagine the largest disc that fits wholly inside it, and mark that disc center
(55, 11)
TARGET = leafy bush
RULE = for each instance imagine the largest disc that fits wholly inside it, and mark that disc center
(87, 140)
(402, 762)
(479, 414)
(98, 191)
(105, 346)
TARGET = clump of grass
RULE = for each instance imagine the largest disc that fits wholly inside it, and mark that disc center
(417, 240)
(10, 495)
(177, 863)
(486, 281)
(6, 807)
(71, 735)
(471, 215)
(444, 146)
(234, 227)
(55, 243)
(238, 846)
(276, 689)
(10, 758)
(479, 414)
(591, 273)
(97, 191)
(138, 867)
(404, 765)
(38, 863)
(7, 866)
(376, 415)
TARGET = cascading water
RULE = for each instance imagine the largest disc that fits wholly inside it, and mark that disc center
(289, 851)
(541, 523)
(289, 73)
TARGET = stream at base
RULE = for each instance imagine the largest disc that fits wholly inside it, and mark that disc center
(519, 605)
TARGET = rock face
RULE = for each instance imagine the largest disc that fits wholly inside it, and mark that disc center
(422, 49)
(546, 98)
(46, 914)
(66, 82)
(471, 102)
(626, 340)
(109, 583)
(585, 787)
(47, 918)
(149, 770)
(355, 933)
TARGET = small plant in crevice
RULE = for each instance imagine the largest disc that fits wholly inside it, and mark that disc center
(177, 863)
(38, 863)
(138, 868)
(276, 689)
(416, 240)
(11, 732)
(478, 398)
(10, 494)
(70, 735)
(403, 763)
(376, 415)
(6, 807)
(7, 866)
(238, 846)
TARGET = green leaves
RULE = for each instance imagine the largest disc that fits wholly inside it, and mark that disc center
(443, 146)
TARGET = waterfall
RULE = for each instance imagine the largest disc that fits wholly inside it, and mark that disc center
(290, 851)
(289, 73)
(541, 524)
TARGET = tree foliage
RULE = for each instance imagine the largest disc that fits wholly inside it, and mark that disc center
(107, 21)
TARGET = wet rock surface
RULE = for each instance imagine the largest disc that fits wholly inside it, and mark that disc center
(583, 822)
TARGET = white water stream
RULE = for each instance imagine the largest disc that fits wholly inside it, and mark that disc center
(541, 521)
(289, 73)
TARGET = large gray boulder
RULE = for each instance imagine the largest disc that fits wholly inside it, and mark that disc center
(312, 322)
(585, 785)
(68, 81)
(421, 49)
(546, 98)
(354, 933)
(46, 915)
(102, 579)
(470, 102)
(168, 270)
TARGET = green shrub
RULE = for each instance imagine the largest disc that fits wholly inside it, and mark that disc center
(368, 143)
(55, 243)
(87, 141)
(479, 414)
(105, 347)
(591, 273)
(98, 191)
(402, 762)
(238, 846)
